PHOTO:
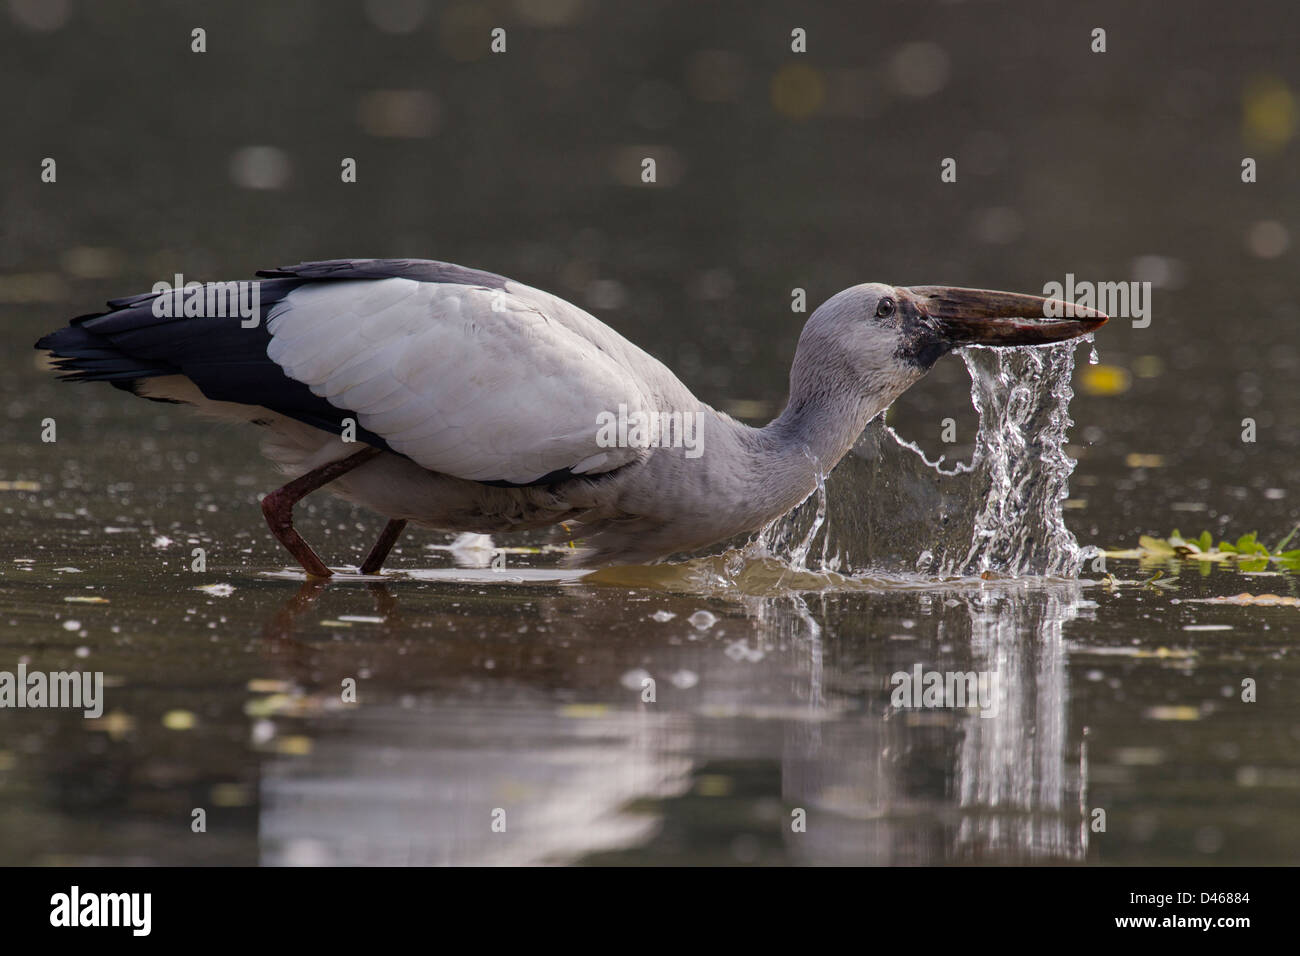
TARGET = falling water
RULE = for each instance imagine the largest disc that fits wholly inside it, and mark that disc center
(890, 510)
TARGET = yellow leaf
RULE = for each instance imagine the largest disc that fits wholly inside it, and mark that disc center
(1104, 380)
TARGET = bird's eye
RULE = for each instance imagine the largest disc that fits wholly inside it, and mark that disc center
(885, 309)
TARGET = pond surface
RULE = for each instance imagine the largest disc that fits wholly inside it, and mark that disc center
(523, 690)
(501, 716)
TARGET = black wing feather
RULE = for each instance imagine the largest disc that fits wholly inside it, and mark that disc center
(227, 362)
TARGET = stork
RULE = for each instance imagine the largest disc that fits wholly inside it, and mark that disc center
(461, 400)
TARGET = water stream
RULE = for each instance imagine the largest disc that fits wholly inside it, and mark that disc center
(890, 510)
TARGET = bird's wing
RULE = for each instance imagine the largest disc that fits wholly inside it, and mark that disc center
(462, 377)
(463, 371)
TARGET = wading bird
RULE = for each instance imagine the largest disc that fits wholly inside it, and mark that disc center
(475, 403)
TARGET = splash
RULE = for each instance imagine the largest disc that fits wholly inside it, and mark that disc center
(890, 510)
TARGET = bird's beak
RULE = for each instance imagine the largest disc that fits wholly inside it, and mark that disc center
(985, 317)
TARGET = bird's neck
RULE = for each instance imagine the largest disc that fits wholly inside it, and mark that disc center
(820, 429)
(782, 462)
(740, 478)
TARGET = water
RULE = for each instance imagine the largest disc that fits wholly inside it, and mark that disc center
(480, 690)
(1023, 398)
(892, 510)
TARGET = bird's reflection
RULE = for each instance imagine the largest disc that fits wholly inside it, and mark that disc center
(512, 725)
(279, 630)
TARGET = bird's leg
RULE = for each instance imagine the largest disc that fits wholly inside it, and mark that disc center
(387, 538)
(278, 508)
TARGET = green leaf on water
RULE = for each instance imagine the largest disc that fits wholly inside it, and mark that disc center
(1248, 553)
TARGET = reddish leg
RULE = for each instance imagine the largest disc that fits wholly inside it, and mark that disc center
(278, 508)
(278, 631)
(387, 538)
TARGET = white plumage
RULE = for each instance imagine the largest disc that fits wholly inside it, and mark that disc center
(470, 382)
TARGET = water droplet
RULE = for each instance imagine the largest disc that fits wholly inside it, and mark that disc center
(702, 620)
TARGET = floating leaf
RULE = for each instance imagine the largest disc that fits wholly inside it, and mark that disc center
(178, 720)
(1248, 552)
(1155, 545)
(1289, 559)
(1172, 713)
(1260, 600)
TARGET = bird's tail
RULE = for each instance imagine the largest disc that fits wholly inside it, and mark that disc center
(82, 356)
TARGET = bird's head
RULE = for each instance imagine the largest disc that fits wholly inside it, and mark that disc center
(876, 340)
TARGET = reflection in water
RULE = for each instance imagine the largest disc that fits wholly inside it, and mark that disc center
(1019, 763)
(425, 784)
(755, 717)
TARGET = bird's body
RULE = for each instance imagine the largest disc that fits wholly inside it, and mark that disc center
(479, 402)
